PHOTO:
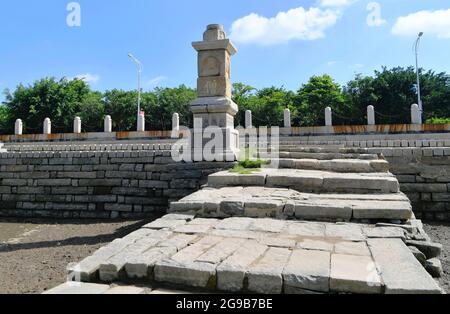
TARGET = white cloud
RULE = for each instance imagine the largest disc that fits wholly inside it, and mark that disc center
(88, 78)
(295, 24)
(331, 63)
(336, 3)
(155, 81)
(431, 22)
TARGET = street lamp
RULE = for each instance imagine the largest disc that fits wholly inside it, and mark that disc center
(139, 65)
(418, 74)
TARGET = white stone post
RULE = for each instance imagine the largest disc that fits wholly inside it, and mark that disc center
(248, 119)
(141, 122)
(77, 125)
(18, 127)
(175, 125)
(287, 118)
(415, 114)
(370, 115)
(47, 126)
(328, 117)
(108, 124)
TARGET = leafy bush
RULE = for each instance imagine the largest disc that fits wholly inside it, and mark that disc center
(438, 121)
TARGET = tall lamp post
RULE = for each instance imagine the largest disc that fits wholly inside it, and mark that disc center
(419, 97)
(139, 65)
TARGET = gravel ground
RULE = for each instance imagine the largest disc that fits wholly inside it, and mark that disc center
(38, 251)
(440, 233)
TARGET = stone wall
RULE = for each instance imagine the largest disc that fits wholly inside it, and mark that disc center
(96, 184)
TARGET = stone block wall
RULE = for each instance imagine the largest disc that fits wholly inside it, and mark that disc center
(109, 184)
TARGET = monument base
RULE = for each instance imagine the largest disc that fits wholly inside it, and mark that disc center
(215, 144)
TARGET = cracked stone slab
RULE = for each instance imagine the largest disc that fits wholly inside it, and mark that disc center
(231, 272)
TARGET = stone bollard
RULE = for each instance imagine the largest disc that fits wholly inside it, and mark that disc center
(141, 122)
(287, 118)
(108, 124)
(18, 127)
(47, 126)
(248, 119)
(328, 117)
(175, 125)
(415, 114)
(77, 125)
(370, 115)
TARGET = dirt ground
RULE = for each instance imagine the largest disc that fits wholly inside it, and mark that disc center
(440, 233)
(37, 252)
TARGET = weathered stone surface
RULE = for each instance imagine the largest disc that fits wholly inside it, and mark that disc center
(352, 248)
(434, 267)
(227, 178)
(231, 272)
(382, 210)
(306, 229)
(355, 274)
(78, 288)
(268, 225)
(265, 275)
(418, 254)
(309, 270)
(318, 245)
(385, 232)
(165, 224)
(182, 268)
(141, 265)
(332, 210)
(430, 249)
(124, 290)
(406, 274)
(349, 232)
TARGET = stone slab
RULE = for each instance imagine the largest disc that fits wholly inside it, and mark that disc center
(308, 270)
(400, 271)
(354, 274)
(265, 276)
(78, 288)
(231, 272)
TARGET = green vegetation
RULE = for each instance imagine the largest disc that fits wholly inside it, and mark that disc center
(249, 166)
(388, 90)
(438, 121)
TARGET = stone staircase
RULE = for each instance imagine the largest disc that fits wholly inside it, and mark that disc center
(328, 220)
(313, 183)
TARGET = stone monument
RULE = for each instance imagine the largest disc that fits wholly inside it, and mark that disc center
(214, 106)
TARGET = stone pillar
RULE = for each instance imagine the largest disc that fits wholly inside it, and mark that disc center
(108, 124)
(248, 119)
(370, 115)
(287, 118)
(328, 117)
(141, 122)
(175, 125)
(214, 106)
(18, 127)
(47, 126)
(77, 125)
(415, 114)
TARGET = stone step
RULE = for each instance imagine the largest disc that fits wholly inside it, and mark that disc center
(275, 256)
(322, 149)
(335, 165)
(310, 181)
(259, 202)
(318, 156)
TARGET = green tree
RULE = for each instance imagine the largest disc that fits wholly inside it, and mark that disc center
(58, 100)
(312, 99)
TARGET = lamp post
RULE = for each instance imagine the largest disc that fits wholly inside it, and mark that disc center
(139, 65)
(419, 97)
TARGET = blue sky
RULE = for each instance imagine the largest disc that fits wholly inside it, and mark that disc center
(280, 42)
